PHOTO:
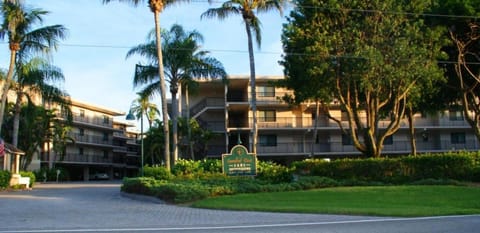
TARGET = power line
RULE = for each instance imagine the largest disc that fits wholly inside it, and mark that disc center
(129, 47)
(370, 11)
(393, 12)
(245, 52)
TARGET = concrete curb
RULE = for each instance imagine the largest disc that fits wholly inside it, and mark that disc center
(142, 198)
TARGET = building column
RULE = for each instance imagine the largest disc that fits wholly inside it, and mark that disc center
(16, 168)
(86, 173)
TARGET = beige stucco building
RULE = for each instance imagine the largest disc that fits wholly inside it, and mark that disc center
(285, 133)
(101, 144)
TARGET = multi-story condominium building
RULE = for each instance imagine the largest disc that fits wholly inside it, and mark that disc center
(101, 145)
(285, 132)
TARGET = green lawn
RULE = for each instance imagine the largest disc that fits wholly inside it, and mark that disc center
(407, 201)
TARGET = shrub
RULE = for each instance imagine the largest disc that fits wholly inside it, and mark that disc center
(457, 166)
(180, 193)
(139, 185)
(436, 182)
(5, 179)
(451, 165)
(187, 168)
(273, 173)
(476, 174)
(158, 173)
(314, 182)
(306, 166)
(211, 165)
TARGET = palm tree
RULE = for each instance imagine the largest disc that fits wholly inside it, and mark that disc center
(142, 106)
(248, 9)
(18, 23)
(36, 78)
(157, 6)
(183, 61)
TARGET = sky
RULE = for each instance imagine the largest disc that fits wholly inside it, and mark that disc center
(93, 60)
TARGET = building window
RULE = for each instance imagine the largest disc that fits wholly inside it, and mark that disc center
(457, 138)
(106, 120)
(388, 140)
(267, 116)
(82, 113)
(80, 151)
(425, 136)
(266, 91)
(455, 115)
(268, 140)
(105, 136)
(81, 132)
(105, 154)
(346, 139)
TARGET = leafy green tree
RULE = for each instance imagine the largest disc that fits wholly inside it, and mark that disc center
(19, 26)
(468, 74)
(460, 17)
(368, 54)
(60, 138)
(153, 143)
(248, 9)
(195, 136)
(36, 122)
(183, 61)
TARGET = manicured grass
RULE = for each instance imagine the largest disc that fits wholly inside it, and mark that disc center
(405, 201)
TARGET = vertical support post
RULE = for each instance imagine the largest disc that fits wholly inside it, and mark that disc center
(141, 142)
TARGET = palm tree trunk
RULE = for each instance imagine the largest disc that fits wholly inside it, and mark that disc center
(253, 102)
(187, 105)
(16, 120)
(163, 92)
(174, 92)
(6, 86)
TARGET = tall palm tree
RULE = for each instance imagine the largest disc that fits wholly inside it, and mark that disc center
(183, 61)
(248, 9)
(18, 24)
(157, 6)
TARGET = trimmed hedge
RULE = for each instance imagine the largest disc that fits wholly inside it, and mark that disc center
(273, 173)
(188, 190)
(457, 166)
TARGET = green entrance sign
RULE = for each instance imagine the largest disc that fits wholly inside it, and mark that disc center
(239, 162)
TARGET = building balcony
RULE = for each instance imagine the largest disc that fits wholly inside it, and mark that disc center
(91, 139)
(324, 123)
(80, 159)
(93, 121)
(338, 149)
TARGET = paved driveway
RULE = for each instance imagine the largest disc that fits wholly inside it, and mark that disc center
(100, 207)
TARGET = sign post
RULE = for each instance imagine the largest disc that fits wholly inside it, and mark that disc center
(239, 162)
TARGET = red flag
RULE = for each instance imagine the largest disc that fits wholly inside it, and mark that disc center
(2, 147)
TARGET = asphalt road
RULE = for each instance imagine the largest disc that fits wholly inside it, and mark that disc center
(100, 207)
